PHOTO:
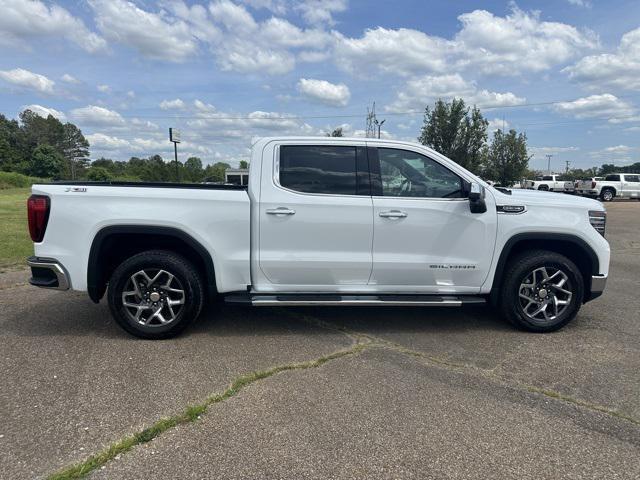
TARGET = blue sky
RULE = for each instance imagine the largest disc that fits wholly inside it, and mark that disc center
(567, 72)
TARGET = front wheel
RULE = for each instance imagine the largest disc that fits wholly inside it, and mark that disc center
(542, 291)
(155, 294)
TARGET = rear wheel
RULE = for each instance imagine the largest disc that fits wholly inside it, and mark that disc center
(608, 194)
(543, 187)
(155, 294)
(542, 291)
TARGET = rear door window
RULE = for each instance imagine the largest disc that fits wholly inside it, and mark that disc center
(319, 169)
(632, 178)
(612, 178)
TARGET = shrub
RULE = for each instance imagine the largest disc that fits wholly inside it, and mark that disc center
(18, 180)
(99, 174)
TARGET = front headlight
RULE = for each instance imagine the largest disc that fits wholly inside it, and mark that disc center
(598, 220)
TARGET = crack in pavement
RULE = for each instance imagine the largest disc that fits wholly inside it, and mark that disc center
(487, 373)
(193, 412)
(361, 342)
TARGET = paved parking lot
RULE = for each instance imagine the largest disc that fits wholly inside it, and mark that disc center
(412, 393)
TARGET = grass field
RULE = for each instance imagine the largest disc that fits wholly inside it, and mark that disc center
(15, 243)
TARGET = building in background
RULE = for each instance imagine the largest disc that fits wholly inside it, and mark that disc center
(237, 176)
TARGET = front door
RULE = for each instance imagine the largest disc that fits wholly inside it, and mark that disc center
(425, 237)
(315, 217)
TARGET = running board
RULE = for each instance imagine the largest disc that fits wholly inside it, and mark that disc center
(264, 300)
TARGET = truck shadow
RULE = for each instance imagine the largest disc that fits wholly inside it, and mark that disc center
(74, 315)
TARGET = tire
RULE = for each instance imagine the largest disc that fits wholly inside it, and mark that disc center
(169, 294)
(544, 188)
(608, 194)
(518, 274)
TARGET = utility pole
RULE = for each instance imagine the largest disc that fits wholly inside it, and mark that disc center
(174, 136)
(549, 156)
(566, 168)
(371, 122)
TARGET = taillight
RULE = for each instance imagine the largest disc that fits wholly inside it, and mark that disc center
(38, 213)
(593, 184)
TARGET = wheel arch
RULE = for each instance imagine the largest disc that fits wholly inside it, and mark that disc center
(113, 244)
(571, 246)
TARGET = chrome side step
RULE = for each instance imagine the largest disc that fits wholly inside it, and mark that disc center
(264, 300)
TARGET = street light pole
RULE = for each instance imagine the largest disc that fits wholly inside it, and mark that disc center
(380, 125)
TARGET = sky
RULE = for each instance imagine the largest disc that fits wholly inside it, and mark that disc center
(223, 72)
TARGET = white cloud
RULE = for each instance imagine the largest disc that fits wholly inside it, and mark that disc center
(26, 79)
(176, 104)
(403, 51)
(519, 42)
(417, 93)
(97, 116)
(605, 106)
(22, 21)
(69, 79)
(45, 111)
(617, 149)
(618, 70)
(321, 11)
(104, 88)
(541, 151)
(615, 154)
(102, 141)
(498, 124)
(325, 92)
(151, 34)
(580, 3)
(515, 44)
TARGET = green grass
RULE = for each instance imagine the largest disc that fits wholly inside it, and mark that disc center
(15, 243)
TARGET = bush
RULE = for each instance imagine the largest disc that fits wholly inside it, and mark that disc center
(18, 180)
(99, 174)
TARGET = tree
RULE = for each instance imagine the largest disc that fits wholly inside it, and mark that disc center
(75, 149)
(244, 164)
(45, 162)
(506, 159)
(99, 174)
(193, 169)
(337, 132)
(215, 172)
(452, 131)
(10, 155)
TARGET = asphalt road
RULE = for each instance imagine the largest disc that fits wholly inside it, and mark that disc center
(424, 394)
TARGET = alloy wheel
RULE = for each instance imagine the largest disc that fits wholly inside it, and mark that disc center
(544, 294)
(153, 297)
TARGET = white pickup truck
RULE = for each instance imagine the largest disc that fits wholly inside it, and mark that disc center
(621, 185)
(550, 183)
(323, 221)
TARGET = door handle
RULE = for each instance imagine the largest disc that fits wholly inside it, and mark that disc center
(392, 214)
(280, 211)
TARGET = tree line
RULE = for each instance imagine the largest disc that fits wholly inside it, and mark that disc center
(46, 147)
(155, 169)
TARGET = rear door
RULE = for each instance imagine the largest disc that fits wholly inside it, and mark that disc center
(631, 185)
(315, 218)
(425, 237)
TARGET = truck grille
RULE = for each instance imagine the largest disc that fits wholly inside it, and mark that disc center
(598, 220)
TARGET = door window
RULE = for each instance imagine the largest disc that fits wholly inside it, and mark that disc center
(632, 178)
(409, 174)
(319, 169)
(612, 178)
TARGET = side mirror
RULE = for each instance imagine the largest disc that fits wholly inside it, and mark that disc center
(476, 198)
